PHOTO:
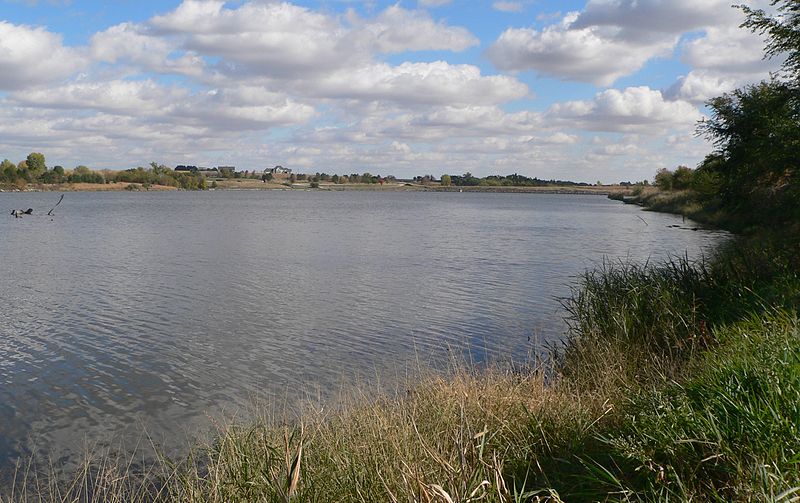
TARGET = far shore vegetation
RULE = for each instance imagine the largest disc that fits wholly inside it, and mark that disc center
(678, 381)
(32, 173)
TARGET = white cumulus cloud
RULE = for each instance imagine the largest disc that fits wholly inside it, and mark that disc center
(634, 109)
(419, 83)
(30, 56)
(592, 54)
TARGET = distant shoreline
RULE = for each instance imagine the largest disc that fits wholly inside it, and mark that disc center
(249, 184)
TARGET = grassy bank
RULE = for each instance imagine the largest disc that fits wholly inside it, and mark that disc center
(744, 216)
(678, 381)
(686, 203)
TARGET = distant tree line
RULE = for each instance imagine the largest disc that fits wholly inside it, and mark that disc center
(34, 170)
(316, 178)
(515, 180)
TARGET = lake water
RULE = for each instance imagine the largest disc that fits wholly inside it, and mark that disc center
(132, 311)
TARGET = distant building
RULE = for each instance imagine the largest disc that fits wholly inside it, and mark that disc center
(209, 172)
(229, 169)
(278, 170)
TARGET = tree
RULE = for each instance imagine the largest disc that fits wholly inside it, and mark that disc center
(55, 175)
(682, 178)
(756, 133)
(783, 33)
(446, 180)
(756, 129)
(8, 171)
(35, 163)
(706, 179)
(82, 174)
(663, 179)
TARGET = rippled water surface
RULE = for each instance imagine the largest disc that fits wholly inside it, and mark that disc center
(132, 311)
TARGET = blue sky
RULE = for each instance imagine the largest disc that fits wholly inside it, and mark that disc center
(590, 90)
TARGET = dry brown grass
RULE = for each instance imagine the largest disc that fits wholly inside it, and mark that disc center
(453, 437)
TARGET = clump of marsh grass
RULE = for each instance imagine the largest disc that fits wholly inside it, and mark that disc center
(641, 319)
(446, 438)
(647, 319)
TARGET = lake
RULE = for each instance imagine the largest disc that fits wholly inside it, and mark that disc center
(127, 312)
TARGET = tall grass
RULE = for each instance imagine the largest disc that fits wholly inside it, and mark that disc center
(727, 433)
(446, 438)
(678, 381)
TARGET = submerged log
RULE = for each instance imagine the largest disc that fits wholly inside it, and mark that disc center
(19, 213)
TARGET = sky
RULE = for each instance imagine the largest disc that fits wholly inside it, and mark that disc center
(597, 90)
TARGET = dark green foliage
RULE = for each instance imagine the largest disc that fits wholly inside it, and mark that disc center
(465, 180)
(706, 181)
(663, 179)
(753, 171)
(756, 133)
(783, 33)
(82, 174)
(682, 178)
(515, 180)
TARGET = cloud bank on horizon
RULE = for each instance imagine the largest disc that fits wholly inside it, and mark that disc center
(604, 90)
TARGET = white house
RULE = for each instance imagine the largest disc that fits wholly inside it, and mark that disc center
(278, 170)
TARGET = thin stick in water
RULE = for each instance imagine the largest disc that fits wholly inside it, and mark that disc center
(50, 213)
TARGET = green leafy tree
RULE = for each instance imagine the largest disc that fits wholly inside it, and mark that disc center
(756, 129)
(663, 179)
(446, 180)
(36, 164)
(682, 178)
(55, 175)
(756, 134)
(8, 171)
(782, 31)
